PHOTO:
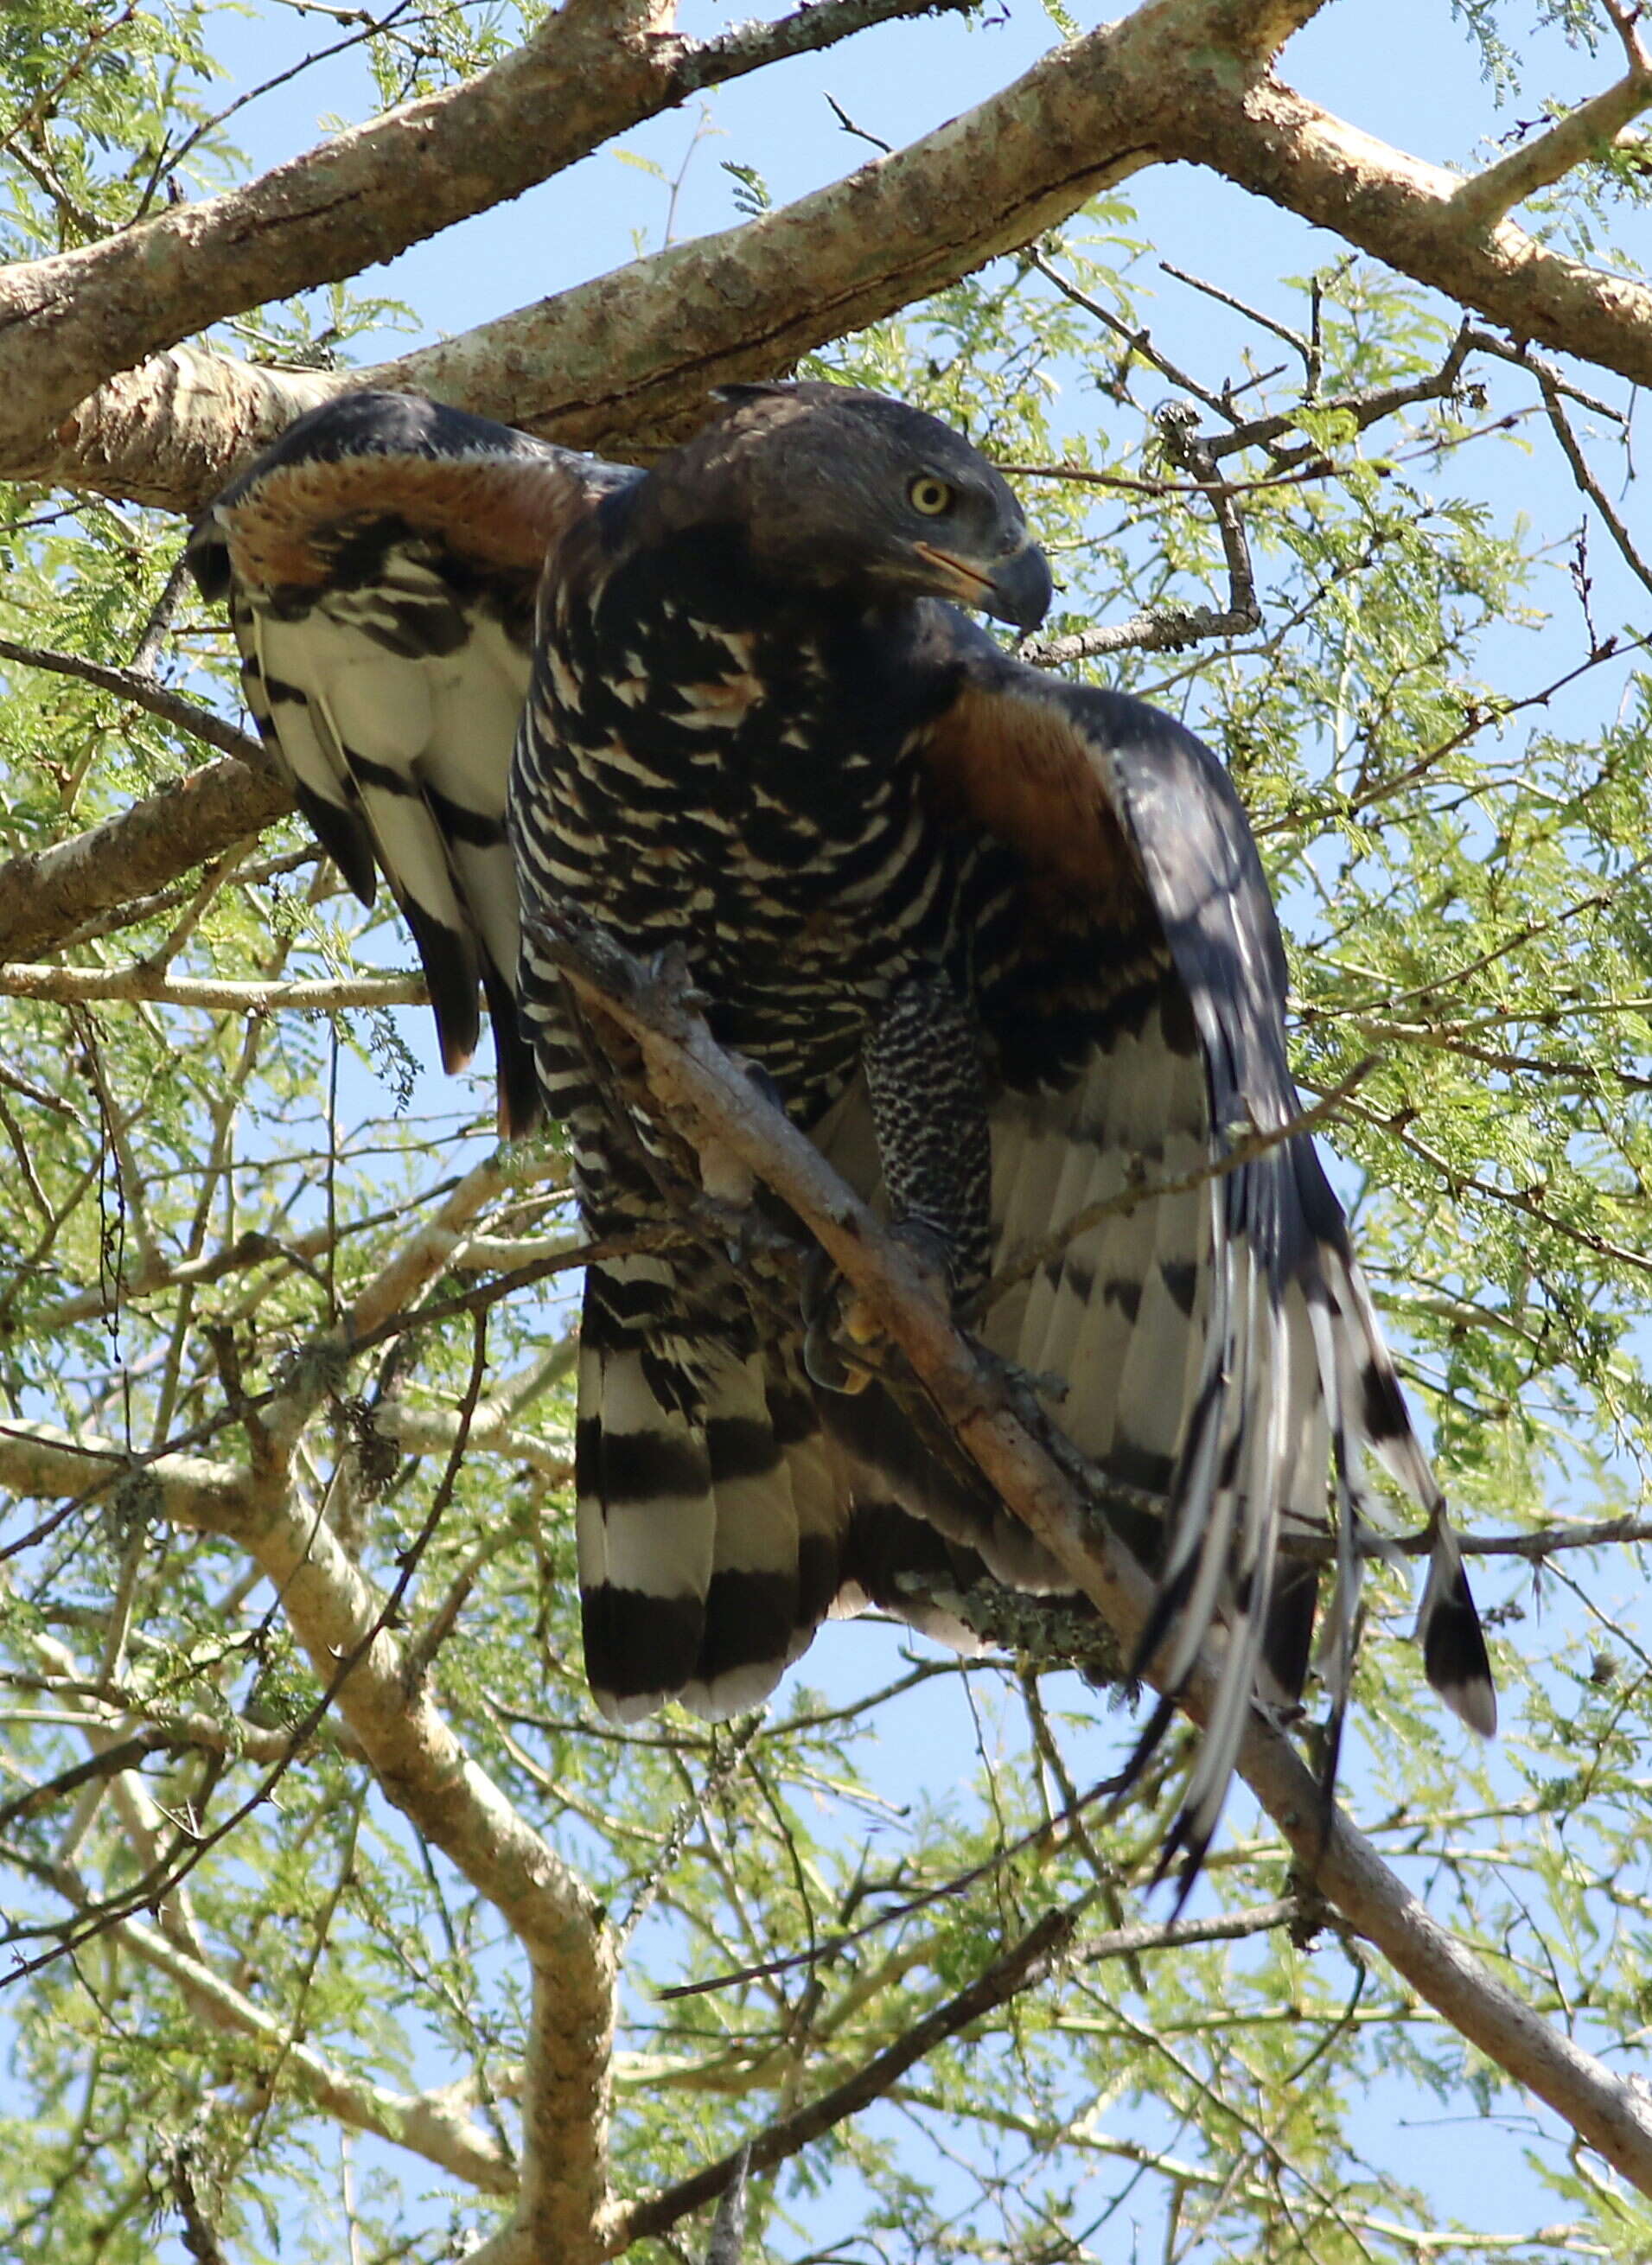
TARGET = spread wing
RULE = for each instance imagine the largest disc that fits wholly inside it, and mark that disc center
(1220, 1350)
(380, 564)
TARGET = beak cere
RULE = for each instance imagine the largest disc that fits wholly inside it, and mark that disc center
(1016, 589)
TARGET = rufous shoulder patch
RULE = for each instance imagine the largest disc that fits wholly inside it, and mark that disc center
(505, 515)
(1020, 768)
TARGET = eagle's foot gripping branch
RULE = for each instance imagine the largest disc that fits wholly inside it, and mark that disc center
(842, 1334)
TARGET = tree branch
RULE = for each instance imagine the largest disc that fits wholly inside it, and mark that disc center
(422, 1767)
(140, 688)
(1163, 628)
(45, 894)
(424, 2122)
(588, 72)
(1025, 1964)
(1022, 1966)
(143, 979)
(1000, 1435)
(624, 361)
(1401, 210)
(415, 1757)
(35, 1458)
(1584, 133)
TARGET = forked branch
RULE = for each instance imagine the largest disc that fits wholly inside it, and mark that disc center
(1486, 197)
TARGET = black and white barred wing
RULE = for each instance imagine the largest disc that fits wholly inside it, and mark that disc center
(381, 563)
(1223, 1362)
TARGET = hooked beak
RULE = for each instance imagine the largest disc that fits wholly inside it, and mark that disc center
(1016, 589)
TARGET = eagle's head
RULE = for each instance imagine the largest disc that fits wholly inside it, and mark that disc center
(835, 488)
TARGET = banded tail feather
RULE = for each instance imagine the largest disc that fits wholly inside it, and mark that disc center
(707, 1523)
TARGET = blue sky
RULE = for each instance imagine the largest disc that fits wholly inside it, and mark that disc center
(1360, 58)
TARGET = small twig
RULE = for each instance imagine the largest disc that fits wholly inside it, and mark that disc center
(422, 1649)
(1508, 350)
(1455, 979)
(505, 1286)
(1293, 339)
(147, 655)
(142, 691)
(169, 159)
(1515, 1199)
(1138, 340)
(135, 910)
(1367, 405)
(45, 103)
(96, 1769)
(1163, 629)
(25, 1163)
(725, 1766)
(1560, 424)
(849, 127)
(1047, 1834)
(1186, 446)
(1294, 468)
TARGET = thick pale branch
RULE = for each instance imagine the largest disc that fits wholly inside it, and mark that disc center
(385, 1298)
(37, 1459)
(366, 193)
(45, 894)
(1608, 2113)
(1584, 133)
(390, 1710)
(431, 1250)
(493, 1430)
(626, 360)
(177, 1728)
(1403, 211)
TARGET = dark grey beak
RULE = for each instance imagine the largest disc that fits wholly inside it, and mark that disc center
(1020, 589)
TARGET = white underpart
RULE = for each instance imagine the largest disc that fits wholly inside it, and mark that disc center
(445, 721)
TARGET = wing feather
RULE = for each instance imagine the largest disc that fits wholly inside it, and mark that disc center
(381, 563)
(1218, 1341)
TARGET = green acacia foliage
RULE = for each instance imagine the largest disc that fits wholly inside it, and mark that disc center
(1439, 723)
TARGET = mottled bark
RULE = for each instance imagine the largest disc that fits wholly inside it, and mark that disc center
(589, 71)
(623, 362)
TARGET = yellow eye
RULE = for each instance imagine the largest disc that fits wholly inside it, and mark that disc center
(929, 495)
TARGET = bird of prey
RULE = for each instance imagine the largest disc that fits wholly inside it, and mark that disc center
(1000, 944)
